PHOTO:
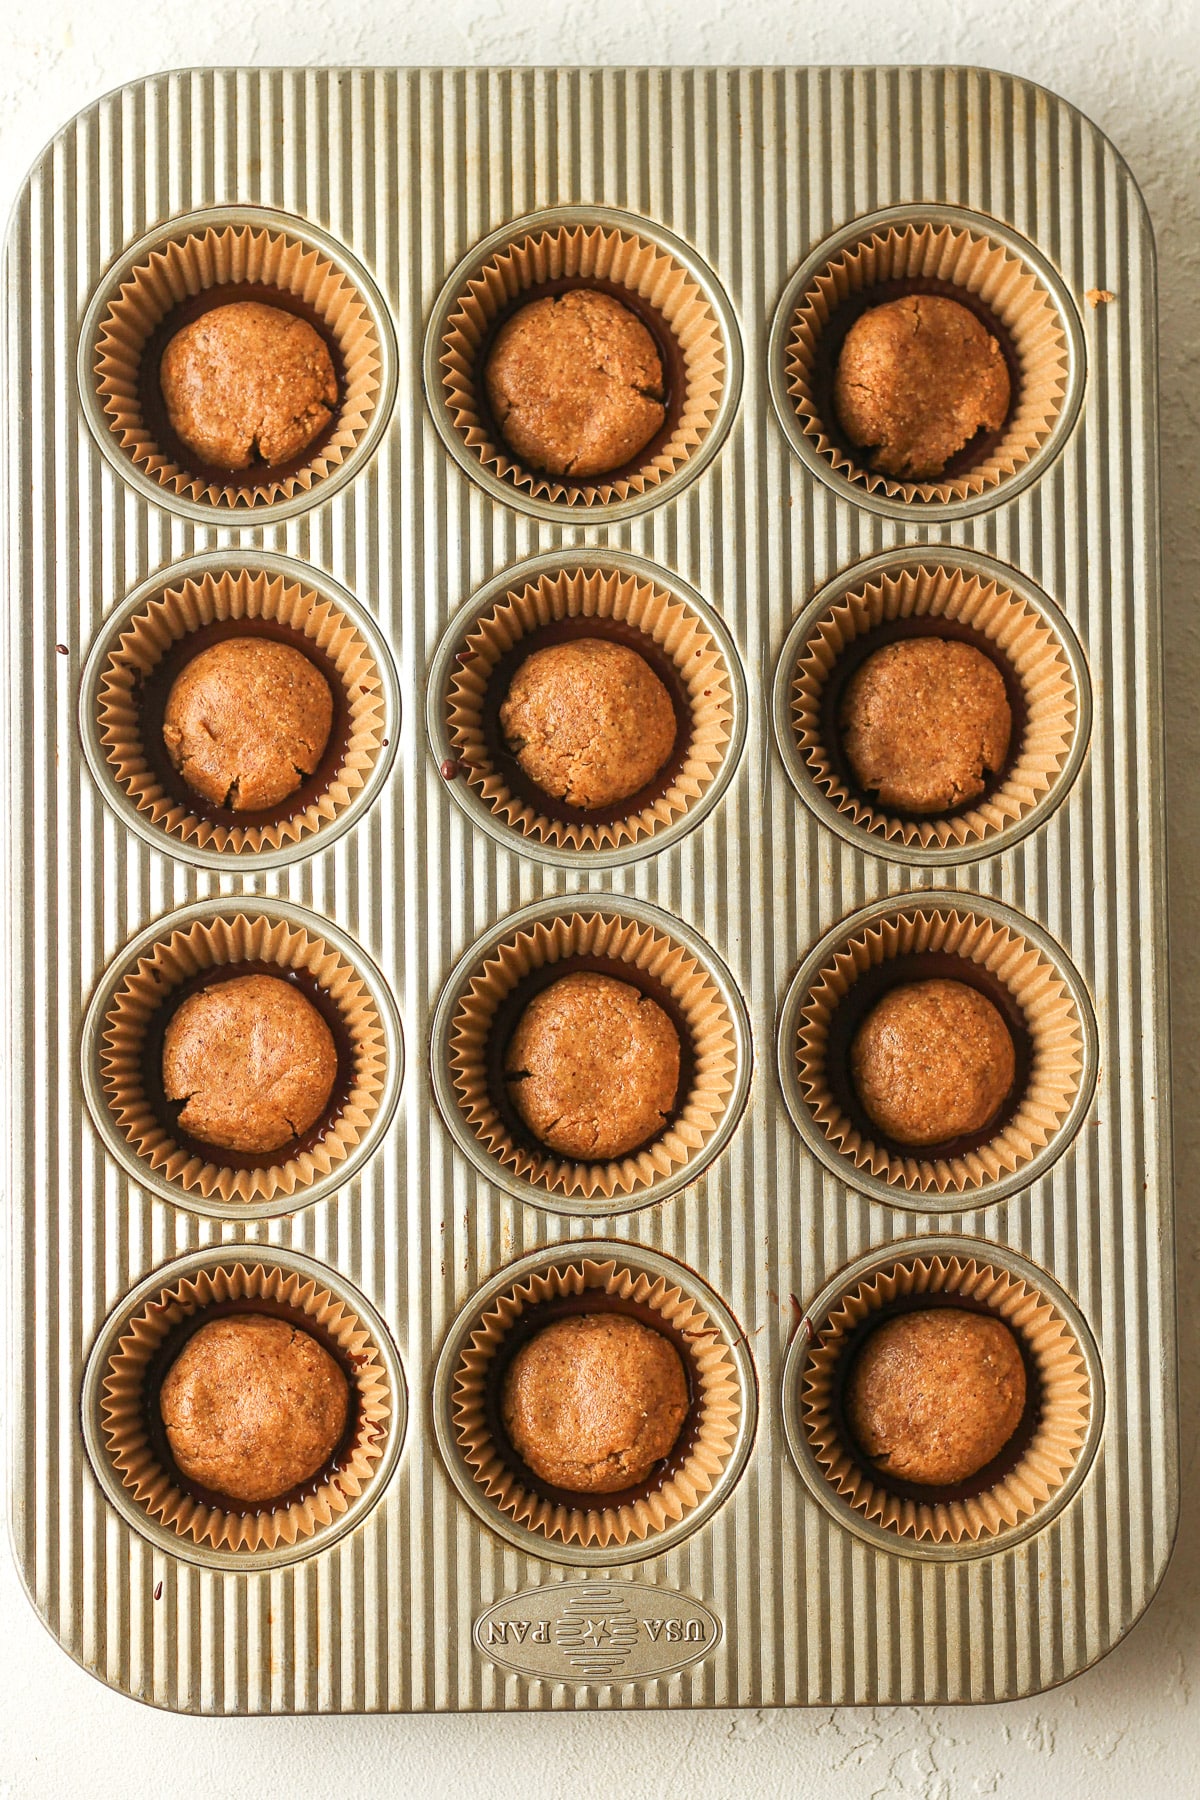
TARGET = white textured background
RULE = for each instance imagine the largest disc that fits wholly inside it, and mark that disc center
(1132, 1725)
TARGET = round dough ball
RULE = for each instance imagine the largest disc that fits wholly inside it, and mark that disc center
(253, 1061)
(934, 1396)
(575, 384)
(253, 1406)
(593, 1067)
(246, 721)
(593, 1401)
(589, 721)
(932, 1060)
(247, 382)
(915, 380)
(923, 721)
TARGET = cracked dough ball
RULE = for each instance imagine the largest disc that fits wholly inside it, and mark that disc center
(932, 1061)
(588, 721)
(576, 384)
(246, 722)
(922, 720)
(593, 1401)
(593, 1067)
(247, 382)
(934, 1396)
(916, 379)
(253, 1406)
(253, 1061)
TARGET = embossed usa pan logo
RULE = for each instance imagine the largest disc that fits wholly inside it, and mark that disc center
(597, 1631)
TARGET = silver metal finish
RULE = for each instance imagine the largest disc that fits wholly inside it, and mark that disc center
(217, 218)
(606, 218)
(818, 1311)
(169, 1542)
(535, 1543)
(217, 563)
(925, 511)
(842, 1166)
(934, 856)
(438, 682)
(408, 173)
(119, 1146)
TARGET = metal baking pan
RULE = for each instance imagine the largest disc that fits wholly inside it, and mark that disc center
(773, 1594)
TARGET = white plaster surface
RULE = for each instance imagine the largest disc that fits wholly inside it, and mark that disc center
(1131, 1726)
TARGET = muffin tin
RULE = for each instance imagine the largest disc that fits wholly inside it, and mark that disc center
(747, 205)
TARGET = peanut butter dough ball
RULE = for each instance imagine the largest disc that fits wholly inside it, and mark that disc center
(593, 1401)
(589, 721)
(247, 721)
(253, 1406)
(932, 1060)
(575, 384)
(924, 721)
(247, 382)
(916, 379)
(593, 1067)
(934, 1396)
(252, 1059)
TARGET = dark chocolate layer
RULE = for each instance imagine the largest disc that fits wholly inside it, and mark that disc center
(897, 971)
(1000, 1466)
(564, 631)
(828, 349)
(154, 407)
(167, 1111)
(894, 631)
(670, 355)
(152, 692)
(592, 1300)
(171, 1347)
(508, 1014)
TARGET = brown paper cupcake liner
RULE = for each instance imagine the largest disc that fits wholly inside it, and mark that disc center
(683, 1487)
(125, 1402)
(239, 938)
(1063, 1414)
(1052, 1021)
(628, 261)
(623, 941)
(191, 264)
(668, 623)
(241, 594)
(1028, 644)
(998, 278)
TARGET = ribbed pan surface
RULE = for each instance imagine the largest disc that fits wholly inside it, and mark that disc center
(753, 168)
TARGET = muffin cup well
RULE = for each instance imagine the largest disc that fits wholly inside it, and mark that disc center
(940, 936)
(231, 249)
(955, 593)
(582, 245)
(636, 943)
(916, 249)
(211, 936)
(1051, 1450)
(614, 593)
(127, 1362)
(216, 591)
(713, 1444)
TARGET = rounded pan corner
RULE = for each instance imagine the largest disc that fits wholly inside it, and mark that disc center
(1041, 92)
(69, 1650)
(45, 151)
(1127, 1627)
